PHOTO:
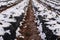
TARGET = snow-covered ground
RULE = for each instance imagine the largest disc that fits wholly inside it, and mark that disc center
(53, 3)
(47, 19)
(7, 2)
(36, 4)
(8, 16)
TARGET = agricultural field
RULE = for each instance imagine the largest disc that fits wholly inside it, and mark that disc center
(29, 19)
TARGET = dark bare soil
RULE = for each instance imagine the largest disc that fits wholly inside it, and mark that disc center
(29, 29)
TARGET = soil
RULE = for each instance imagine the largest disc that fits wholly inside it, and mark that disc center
(29, 27)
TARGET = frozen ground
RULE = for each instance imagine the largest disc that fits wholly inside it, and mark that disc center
(48, 21)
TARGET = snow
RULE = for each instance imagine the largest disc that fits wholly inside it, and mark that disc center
(14, 11)
(51, 22)
(15, 39)
(36, 4)
(10, 20)
(53, 3)
(43, 36)
(2, 32)
(18, 9)
(47, 15)
(1, 38)
(40, 8)
(21, 23)
(8, 31)
(57, 31)
(21, 6)
(55, 26)
(17, 32)
(4, 24)
(7, 3)
(21, 36)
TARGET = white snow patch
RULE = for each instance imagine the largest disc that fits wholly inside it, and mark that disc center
(17, 32)
(2, 32)
(1, 38)
(8, 31)
(4, 24)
